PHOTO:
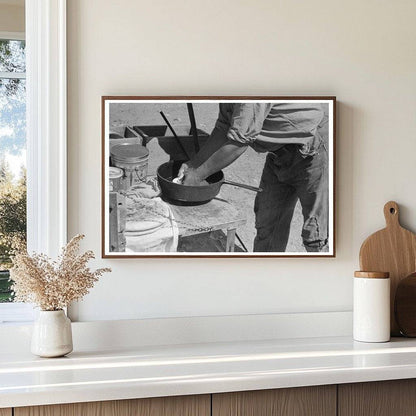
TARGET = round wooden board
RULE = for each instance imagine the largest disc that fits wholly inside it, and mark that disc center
(393, 250)
(405, 306)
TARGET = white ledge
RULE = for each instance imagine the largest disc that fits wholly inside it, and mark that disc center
(152, 371)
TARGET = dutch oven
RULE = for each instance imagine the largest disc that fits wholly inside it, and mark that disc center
(192, 194)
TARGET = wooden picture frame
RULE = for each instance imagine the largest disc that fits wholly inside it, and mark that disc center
(135, 121)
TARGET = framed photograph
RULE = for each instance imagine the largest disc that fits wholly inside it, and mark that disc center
(218, 176)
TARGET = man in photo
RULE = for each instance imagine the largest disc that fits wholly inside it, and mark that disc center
(296, 167)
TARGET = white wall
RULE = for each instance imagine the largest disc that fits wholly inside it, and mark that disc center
(361, 51)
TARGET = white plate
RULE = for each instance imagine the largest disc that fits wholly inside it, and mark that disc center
(145, 215)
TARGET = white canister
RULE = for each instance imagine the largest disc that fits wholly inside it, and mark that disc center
(371, 307)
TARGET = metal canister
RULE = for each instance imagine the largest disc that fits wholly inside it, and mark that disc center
(116, 178)
(133, 160)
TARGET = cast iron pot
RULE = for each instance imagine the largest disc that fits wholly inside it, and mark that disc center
(192, 194)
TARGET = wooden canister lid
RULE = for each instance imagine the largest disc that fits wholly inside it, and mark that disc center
(372, 275)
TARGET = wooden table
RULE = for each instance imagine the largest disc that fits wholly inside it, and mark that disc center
(217, 214)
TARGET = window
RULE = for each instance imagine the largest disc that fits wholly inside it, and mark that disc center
(45, 89)
(12, 154)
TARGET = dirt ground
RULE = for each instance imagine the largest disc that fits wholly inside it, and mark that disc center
(247, 169)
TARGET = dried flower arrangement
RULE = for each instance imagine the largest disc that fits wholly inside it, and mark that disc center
(53, 285)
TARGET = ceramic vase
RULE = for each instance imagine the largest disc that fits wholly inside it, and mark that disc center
(52, 334)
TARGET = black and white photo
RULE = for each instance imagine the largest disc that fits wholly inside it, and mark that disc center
(218, 176)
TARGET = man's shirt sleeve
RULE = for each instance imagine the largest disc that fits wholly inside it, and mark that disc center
(246, 121)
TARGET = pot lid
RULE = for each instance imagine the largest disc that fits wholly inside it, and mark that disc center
(129, 152)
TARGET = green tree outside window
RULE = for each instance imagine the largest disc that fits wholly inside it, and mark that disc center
(12, 146)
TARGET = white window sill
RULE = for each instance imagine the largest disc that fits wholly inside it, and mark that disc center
(16, 313)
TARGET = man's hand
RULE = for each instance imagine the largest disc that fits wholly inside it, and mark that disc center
(192, 178)
(188, 175)
(183, 169)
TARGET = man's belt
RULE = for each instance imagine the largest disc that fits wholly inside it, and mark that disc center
(285, 150)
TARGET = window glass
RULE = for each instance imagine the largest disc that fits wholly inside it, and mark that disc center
(12, 56)
(12, 156)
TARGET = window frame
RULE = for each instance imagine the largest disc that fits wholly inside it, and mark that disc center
(12, 36)
(46, 135)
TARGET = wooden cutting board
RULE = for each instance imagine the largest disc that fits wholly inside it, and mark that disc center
(405, 306)
(393, 250)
